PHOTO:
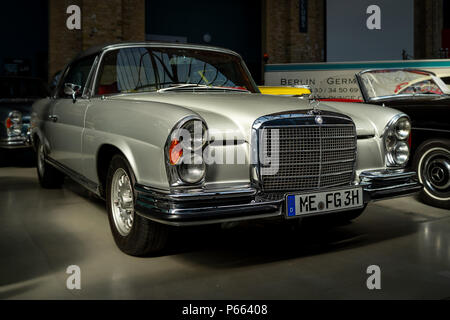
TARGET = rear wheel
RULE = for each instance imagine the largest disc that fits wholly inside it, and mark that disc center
(132, 233)
(49, 177)
(432, 163)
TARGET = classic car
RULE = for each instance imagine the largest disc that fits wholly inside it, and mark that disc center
(179, 135)
(425, 97)
(17, 95)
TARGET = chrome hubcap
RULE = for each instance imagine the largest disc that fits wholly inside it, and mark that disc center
(436, 172)
(122, 202)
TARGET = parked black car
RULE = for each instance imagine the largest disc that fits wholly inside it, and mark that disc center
(17, 94)
(426, 99)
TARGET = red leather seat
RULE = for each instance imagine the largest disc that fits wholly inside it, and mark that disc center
(108, 88)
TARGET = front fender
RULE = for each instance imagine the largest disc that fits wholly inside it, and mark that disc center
(138, 129)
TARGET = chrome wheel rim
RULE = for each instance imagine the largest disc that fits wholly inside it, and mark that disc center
(122, 202)
(435, 173)
(41, 159)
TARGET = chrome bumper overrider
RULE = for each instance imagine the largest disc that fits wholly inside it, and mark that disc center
(236, 204)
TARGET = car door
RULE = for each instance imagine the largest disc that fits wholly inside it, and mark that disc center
(66, 119)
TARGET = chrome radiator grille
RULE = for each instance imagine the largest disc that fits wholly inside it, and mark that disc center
(309, 157)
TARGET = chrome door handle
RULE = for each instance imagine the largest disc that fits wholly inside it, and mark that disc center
(53, 118)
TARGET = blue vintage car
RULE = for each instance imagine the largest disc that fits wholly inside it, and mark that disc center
(17, 95)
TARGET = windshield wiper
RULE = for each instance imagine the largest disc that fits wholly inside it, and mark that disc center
(179, 86)
(194, 85)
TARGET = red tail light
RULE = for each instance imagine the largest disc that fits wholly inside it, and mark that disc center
(9, 123)
(409, 140)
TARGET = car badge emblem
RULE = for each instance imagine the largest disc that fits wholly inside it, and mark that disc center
(314, 104)
(319, 120)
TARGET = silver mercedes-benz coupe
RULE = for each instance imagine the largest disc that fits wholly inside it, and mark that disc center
(179, 135)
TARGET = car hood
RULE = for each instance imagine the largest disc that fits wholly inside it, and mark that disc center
(235, 113)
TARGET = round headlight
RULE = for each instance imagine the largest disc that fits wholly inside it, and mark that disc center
(401, 153)
(194, 171)
(198, 133)
(402, 129)
(390, 141)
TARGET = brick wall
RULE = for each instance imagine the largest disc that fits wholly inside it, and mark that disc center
(285, 44)
(283, 41)
(102, 21)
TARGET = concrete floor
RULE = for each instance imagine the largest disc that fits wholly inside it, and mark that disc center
(42, 232)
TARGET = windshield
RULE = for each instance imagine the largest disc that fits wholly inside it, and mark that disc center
(144, 69)
(377, 84)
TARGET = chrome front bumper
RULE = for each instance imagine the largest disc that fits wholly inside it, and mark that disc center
(226, 205)
(15, 142)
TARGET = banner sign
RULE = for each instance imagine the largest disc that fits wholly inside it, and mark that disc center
(303, 16)
(337, 80)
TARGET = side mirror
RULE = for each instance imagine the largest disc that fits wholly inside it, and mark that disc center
(72, 90)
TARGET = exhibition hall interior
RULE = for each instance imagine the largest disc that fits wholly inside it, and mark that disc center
(225, 150)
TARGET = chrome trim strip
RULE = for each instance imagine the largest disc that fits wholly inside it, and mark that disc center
(395, 69)
(404, 95)
(410, 184)
(387, 174)
(201, 194)
(308, 163)
(316, 150)
(334, 137)
(319, 177)
(314, 126)
(323, 175)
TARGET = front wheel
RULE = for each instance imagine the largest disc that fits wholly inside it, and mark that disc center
(133, 234)
(432, 163)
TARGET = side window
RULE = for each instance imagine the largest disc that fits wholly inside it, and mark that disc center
(126, 70)
(77, 75)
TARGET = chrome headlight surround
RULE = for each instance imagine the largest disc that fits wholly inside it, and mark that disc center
(395, 138)
(184, 148)
(14, 123)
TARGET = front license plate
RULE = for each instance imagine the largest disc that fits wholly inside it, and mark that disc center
(325, 201)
